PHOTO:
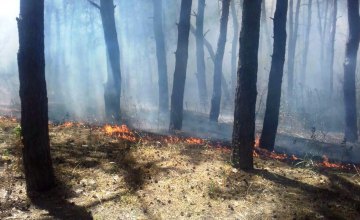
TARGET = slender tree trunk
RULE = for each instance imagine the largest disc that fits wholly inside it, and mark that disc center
(38, 168)
(243, 139)
(200, 54)
(352, 46)
(177, 97)
(224, 85)
(234, 49)
(332, 46)
(113, 85)
(271, 120)
(293, 26)
(161, 57)
(219, 57)
(306, 45)
(323, 35)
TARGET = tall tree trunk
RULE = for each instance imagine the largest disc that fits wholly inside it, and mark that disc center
(234, 49)
(323, 23)
(161, 57)
(271, 119)
(352, 46)
(181, 56)
(38, 168)
(224, 85)
(243, 138)
(332, 46)
(200, 54)
(219, 57)
(113, 85)
(293, 26)
(306, 45)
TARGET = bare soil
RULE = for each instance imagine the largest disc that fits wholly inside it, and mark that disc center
(103, 176)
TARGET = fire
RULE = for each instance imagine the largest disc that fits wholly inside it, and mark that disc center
(172, 140)
(293, 157)
(255, 154)
(122, 132)
(257, 142)
(197, 141)
(326, 163)
(68, 124)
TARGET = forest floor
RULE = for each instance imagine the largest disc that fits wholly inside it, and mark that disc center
(106, 172)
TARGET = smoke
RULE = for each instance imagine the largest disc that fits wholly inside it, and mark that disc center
(76, 66)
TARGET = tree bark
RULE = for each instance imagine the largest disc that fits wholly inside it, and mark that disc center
(234, 49)
(112, 92)
(293, 27)
(161, 57)
(224, 85)
(352, 46)
(245, 101)
(219, 57)
(181, 56)
(306, 45)
(200, 54)
(271, 119)
(37, 162)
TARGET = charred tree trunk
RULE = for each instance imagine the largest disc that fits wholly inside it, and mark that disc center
(332, 47)
(37, 162)
(200, 54)
(293, 27)
(245, 101)
(271, 119)
(234, 49)
(161, 57)
(113, 85)
(177, 97)
(306, 45)
(224, 85)
(219, 57)
(352, 46)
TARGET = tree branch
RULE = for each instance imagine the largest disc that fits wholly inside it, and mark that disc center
(94, 4)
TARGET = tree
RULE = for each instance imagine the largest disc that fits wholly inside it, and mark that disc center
(352, 46)
(200, 54)
(219, 56)
(271, 119)
(113, 85)
(161, 57)
(322, 27)
(37, 162)
(293, 31)
(234, 48)
(243, 138)
(181, 56)
(332, 46)
(306, 44)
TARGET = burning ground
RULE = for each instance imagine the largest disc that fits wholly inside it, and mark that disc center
(111, 172)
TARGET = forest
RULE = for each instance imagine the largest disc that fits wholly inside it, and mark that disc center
(179, 109)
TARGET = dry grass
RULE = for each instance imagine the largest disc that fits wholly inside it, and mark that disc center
(103, 177)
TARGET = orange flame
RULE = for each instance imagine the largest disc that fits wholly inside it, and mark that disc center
(326, 163)
(257, 142)
(122, 132)
(68, 124)
(194, 141)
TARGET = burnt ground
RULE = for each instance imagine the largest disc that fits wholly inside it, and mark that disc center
(102, 176)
